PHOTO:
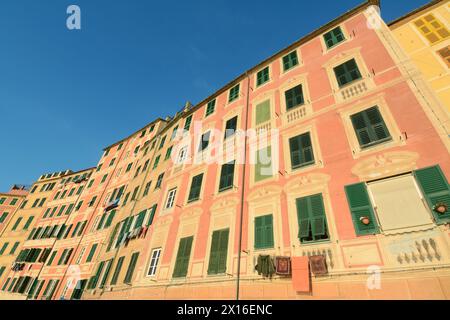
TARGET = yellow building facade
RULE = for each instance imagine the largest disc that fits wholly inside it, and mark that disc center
(424, 35)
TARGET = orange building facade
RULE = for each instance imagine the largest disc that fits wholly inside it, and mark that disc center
(320, 173)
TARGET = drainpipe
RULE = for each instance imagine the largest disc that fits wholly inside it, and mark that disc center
(243, 190)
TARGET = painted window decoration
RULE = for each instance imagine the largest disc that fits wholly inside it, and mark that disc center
(432, 29)
(444, 53)
(219, 251)
(262, 76)
(370, 127)
(234, 93)
(263, 165)
(171, 198)
(301, 151)
(312, 221)
(290, 61)
(334, 37)
(183, 256)
(264, 232)
(294, 97)
(154, 260)
(347, 73)
(262, 112)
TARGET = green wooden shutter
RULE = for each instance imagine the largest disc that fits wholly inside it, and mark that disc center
(301, 151)
(304, 222)
(318, 216)
(28, 223)
(294, 97)
(361, 206)
(226, 176)
(196, 186)
(219, 250)
(334, 37)
(152, 215)
(435, 189)
(113, 236)
(211, 107)
(116, 274)
(14, 248)
(183, 255)
(187, 124)
(264, 232)
(262, 112)
(131, 267)
(94, 279)
(92, 252)
(140, 219)
(110, 218)
(106, 274)
(260, 166)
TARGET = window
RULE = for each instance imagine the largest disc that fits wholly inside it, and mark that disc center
(263, 166)
(14, 201)
(196, 186)
(52, 257)
(163, 140)
(262, 76)
(432, 29)
(61, 210)
(2, 250)
(147, 189)
(264, 232)
(301, 151)
(104, 178)
(94, 279)
(99, 167)
(143, 133)
(210, 107)
(312, 222)
(144, 168)
(131, 267)
(174, 133)
(182, 155)
(79, 191)
(230, 127)
(347, 73)
(138, 170)
(262, 112)
(92, 252)
(14, 248)
(136, 150)
(226, 176)
(28, 223)
(135, 192)
(290, 60)
(294, 97)
(155, 165)
(125, 200)
(183, 256)
(3, 216)
(159, 181)
(78, 205)
(445, 55)
(23, 204)
(16, 224)
(187, 123)
(41, 204)
(2, 200)
(78, 290)
(116, 274)
(92, 202)
(72, 191)
(171, 198)
(234, 93)
(129, 166)
(370, 128)
(204, 142)
(111, 163)
(156, 253)
(219, 251)
(168, 153)
(334, 37)
(106, 274)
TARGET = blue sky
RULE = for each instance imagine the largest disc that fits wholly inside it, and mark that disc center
(64, 95)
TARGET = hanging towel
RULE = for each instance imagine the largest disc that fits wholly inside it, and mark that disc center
(265, 266)
(300, 274)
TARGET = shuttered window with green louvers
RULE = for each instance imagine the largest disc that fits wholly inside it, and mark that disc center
(436, 191)
(183, 256)
(334, 37)
(264, 232)
(361, 209)
(312, 221)
(94, 280)
(196, 186)
(152, 215)
(262, 112)
(210, 107)
(294, 97)
(301, 151)
(347, 73)
(370, 127)
(290, 60)
(262, 76)
(219, 250)
(187, 124)
(226, 176)
(116, 274)
(234, 93)
(131, 267)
